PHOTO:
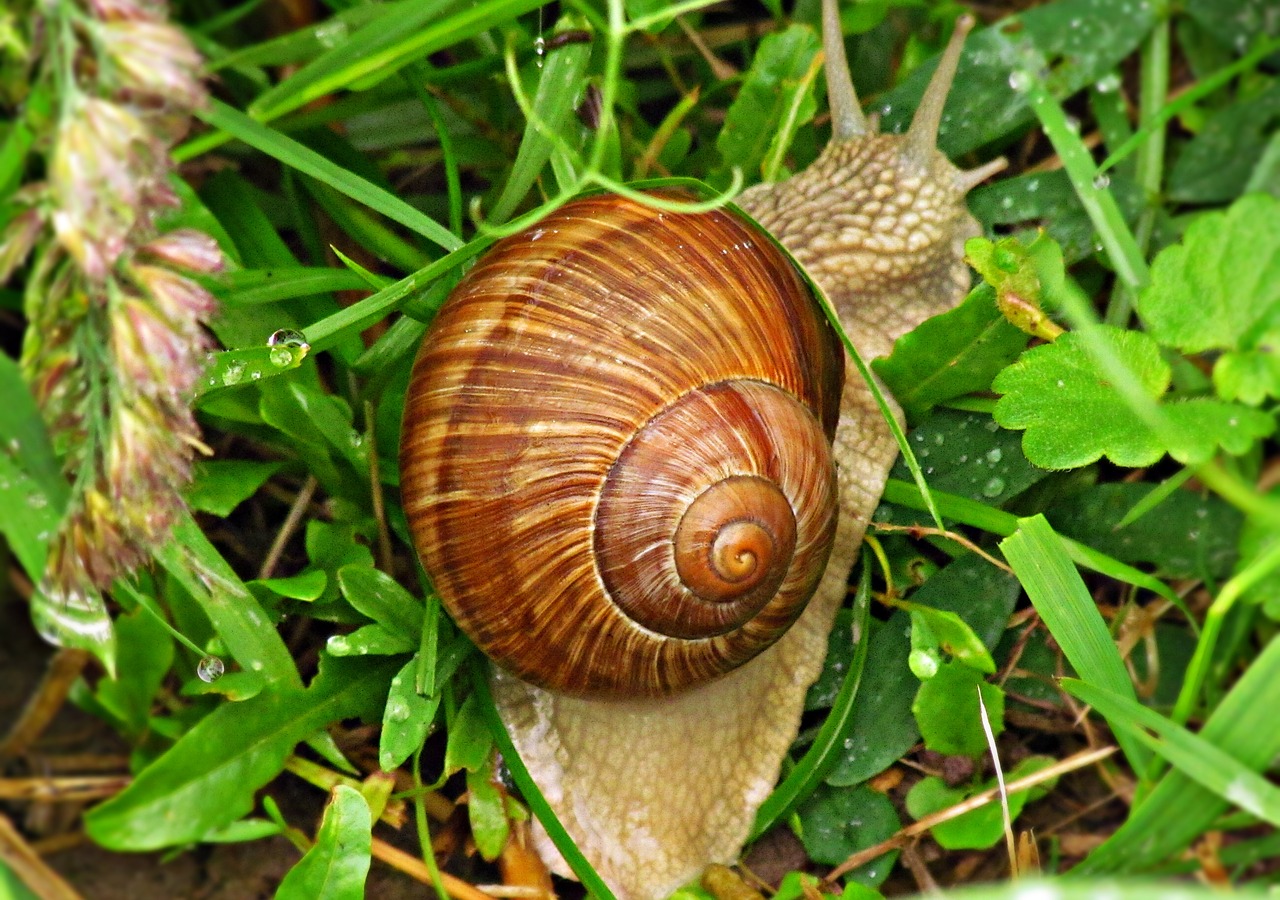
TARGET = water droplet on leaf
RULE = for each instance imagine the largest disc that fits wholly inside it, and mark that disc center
(210, 669)
(233, 373)
(994, 487)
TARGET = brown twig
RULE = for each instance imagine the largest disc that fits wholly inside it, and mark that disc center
(64, 668)
(63, 789)
(34, 872)
(929, 530)
(1070, 764)
(291, 522)
(417, 869)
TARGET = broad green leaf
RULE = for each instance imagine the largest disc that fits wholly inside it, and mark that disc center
(1219, 289)
(968, 454)
(469, 739)
(883, 729)
(950, 634)
(838, 822)
(407, 720)
(144, 656)
(768, 96)
(1215, 165)
(1080, 41)
(218, 486)
(24, 442)
(1072, 414)
(308, 585)
(981, 595)
(210, 776)
(947, 712)
(1185, 536)
(949, 355)
(337, 864)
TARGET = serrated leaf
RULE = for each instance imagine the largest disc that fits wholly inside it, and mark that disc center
(950, 355)
(1073, 415)
(337, 864)
(1221, 283)
(946, 709)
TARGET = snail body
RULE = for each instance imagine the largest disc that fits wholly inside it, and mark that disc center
(658, 771)
(649, 445)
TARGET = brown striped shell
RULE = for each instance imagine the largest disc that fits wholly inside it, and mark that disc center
(615, 459)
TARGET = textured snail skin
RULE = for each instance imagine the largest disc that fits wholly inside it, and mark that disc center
(654, 790)
(649, 445)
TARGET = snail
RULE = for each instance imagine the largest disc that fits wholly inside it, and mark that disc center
(658, 600)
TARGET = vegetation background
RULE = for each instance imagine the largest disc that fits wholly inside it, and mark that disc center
(1087, 520)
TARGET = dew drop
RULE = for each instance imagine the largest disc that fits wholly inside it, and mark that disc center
(1108, 84)
(1020, 81)
(210, 669)
(233, 373)
(994, 487)
(994, 455)
(397, 710)
(1073, 124)
(287, 337)
(1101, 181)
(281, 356)
(37, 500)
(540, 48)
(255, 374)
(331, 33)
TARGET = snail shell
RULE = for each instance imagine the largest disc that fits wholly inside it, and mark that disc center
(615, 459)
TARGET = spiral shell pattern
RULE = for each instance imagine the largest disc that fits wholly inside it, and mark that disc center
(615, 459)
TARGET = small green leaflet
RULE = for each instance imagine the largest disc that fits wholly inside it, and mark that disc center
(1220, 290)
(1073, 415)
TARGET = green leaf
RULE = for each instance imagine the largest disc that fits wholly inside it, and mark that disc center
(768, 95)
(309, 585)
(1185, 536)
(143, 660)
(1214, 166)
(968, 454)
(883, 729)
(946, 709)
(209, 777)
(952, 635)
(1208, 764)
(1214, 290)
(486, 811)
(235, 613)
(838, 822)
(337, 864)
(218, 486)
(1069, 612)
(979, 828)
(949, 355)
(469, 739)
(408, 719)
(381, 598)
(368, 640)
(1073, 415)
(234, 368)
